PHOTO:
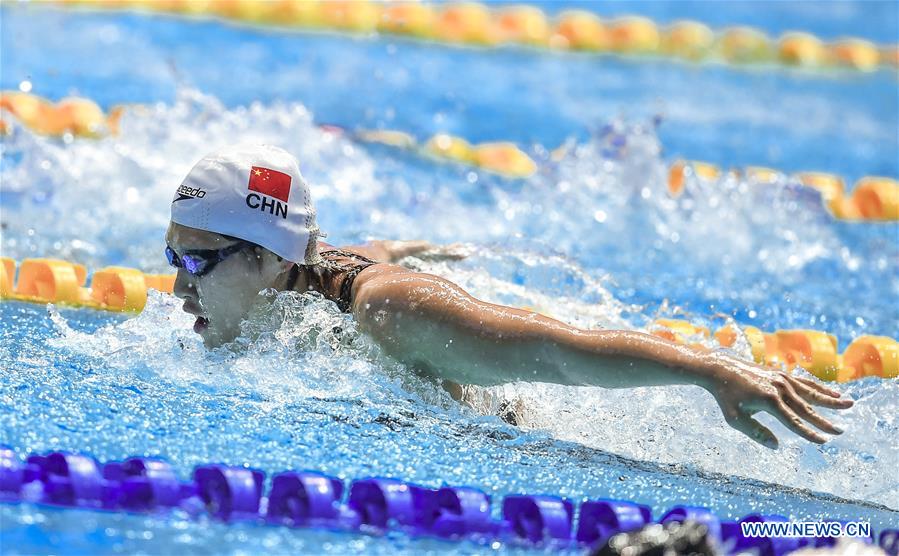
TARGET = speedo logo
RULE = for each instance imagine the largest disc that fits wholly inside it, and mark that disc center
(185, 192)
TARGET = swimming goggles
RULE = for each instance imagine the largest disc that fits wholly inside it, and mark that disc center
(201, 261)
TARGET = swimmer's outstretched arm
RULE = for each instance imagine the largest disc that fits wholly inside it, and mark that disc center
(432, 324)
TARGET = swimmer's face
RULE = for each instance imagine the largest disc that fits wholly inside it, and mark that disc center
(221, 298)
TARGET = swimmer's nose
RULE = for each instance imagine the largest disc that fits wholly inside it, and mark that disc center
(184, 286)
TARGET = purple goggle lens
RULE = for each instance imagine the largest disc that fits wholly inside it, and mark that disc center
(202, 261)
(192, 264)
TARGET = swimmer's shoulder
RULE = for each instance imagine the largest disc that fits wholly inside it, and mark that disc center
(387, 281)
(371, 284)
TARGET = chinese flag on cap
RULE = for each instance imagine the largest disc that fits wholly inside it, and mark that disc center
(270, 182)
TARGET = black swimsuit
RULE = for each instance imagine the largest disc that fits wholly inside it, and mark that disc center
(344, 296)
(334, 271)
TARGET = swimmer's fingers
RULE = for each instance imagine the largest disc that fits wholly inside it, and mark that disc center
(804, 410)
(817, 394)
(807, 382)
(452, 252)
(820, 388)
(751, 428)
(779, 408)
(737, 417)
(455, 251)
(751, 388)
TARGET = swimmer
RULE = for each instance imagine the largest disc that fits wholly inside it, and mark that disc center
(243, 221)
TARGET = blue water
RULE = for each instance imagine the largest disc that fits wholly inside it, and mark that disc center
(592, 239)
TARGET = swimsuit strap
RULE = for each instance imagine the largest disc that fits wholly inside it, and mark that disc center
(344, 301)
(344, 296)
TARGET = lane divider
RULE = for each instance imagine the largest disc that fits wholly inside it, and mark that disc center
(501, 157)
(122, 289)
(112, 288)
(309, 499)
(79, 116)
(84, 118)
(813, 350)
(874, 198)
(475, 24)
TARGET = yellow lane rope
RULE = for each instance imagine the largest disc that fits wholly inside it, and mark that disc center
(474, 24)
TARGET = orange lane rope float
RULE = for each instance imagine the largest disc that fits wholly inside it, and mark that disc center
(79, 116)
(475, 24)
(813, 350)
(112, 288)
(873, 198)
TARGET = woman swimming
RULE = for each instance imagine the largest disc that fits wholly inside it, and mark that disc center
(242, 221)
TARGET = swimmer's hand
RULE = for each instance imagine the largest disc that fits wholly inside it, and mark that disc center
(392, 251)
(424, 250)
(451, 252)
(742, 389)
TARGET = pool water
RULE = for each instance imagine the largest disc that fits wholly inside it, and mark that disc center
(592, 239)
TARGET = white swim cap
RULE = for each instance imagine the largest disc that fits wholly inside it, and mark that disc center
(255, 193)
